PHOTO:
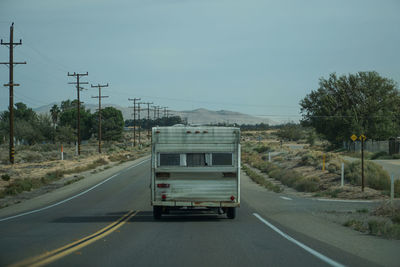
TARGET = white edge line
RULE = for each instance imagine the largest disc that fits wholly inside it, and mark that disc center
(345, 200)
(286, 198)
(70, 198)
(306, 248)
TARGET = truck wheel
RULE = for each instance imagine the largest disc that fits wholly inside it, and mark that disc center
(157, 210)
(231, 213)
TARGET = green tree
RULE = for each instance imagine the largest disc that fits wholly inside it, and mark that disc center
(291, 132)
(55, 113)
(362, 103)
(68, 117)
(112, 123)
(45, 127)
(65, 134)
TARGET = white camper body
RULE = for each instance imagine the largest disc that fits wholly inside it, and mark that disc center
(195, 167)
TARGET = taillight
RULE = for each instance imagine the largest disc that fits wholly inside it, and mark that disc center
(163, 196)
(163, 185)
(232, 198)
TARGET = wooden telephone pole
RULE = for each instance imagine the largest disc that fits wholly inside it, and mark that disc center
(11, 85)
(138, 108)
(165, 112)
(134, 118)
(78, 89)
(99, 97)
(148, 117)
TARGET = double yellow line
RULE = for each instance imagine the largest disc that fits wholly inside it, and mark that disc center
(58, 253)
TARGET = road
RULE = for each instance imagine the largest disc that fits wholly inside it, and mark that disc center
(112, 225)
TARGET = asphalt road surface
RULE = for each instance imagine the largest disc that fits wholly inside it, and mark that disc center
(112, 225)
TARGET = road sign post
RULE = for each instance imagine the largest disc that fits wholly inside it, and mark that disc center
(362, 138)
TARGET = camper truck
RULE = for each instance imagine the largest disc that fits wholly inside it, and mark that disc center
(195, 168)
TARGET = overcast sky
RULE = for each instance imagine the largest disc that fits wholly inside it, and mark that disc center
(256, 57)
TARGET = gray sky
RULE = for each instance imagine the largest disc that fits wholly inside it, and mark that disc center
(256, 57)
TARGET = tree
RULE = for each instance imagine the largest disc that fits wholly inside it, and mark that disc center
(112, 123)
(55, 113)
(68, 117)
(291, 132)
(65, 134)
(45, 127)
(362, 103)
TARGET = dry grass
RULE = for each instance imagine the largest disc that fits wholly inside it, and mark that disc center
(259, 179)
(39, 165)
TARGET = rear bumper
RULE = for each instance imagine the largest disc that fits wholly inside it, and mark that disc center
(217, 204)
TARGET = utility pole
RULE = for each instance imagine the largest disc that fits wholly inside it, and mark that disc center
(78, 89)
(99, 97)
(148, 117)
(134, 118)
(158, 112)
(155, 112)
(165, 111)
(139, 123)
(11, 85)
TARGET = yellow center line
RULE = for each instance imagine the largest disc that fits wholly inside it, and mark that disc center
(63, 251)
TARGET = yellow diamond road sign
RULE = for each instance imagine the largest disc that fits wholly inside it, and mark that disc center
(363, 137)
(353, 137)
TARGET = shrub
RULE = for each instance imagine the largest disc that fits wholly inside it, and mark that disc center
(19, 186)
(397, 188)
(334, 167)
(262, 149)
(335, 192)
(5, 177)
(356, 225)
(381, 154)
(375, 176)
(31, 156)
(385, 229)
(259, 179)
(310, 184)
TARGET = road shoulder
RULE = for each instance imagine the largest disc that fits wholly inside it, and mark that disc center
(302, 218)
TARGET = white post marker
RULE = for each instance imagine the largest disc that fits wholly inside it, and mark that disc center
(342, 176)
(62, 152)
(269, 156)
(391, 188)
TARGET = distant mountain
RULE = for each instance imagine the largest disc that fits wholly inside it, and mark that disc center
(197, 116)
(204, 116)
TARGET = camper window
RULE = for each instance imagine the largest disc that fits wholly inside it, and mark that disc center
(169, 159)
(195, 159)
(222, 159)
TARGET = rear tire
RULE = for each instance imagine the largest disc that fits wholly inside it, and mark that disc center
(157, 211)
(231, 213)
